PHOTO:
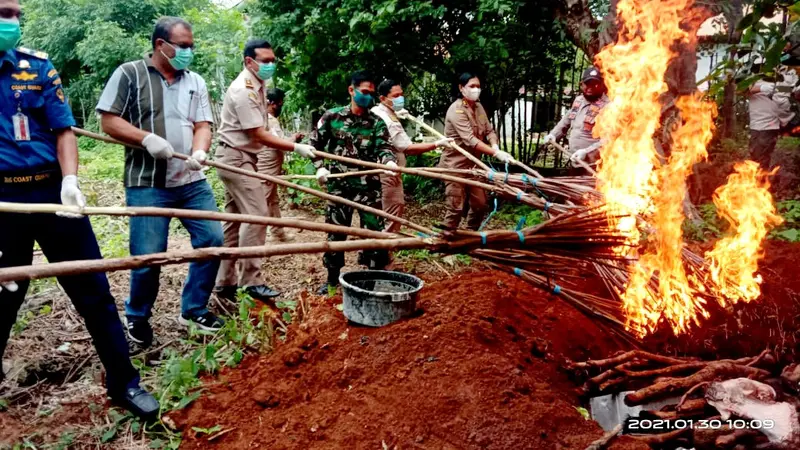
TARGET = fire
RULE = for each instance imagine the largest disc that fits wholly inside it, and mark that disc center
(747, 205)
(638, 181)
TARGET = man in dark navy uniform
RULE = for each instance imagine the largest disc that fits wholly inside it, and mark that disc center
(38, 164)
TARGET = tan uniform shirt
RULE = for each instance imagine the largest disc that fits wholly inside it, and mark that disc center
(468, 126)
(244, 108)
(397, 134)
(580, 122)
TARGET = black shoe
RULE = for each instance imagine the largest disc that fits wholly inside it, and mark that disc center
(140, 332)
(262, 292)
(139, 402)
(206, 322)
(226, 292)
(326, 288)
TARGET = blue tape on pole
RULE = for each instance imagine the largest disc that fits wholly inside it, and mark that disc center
(483, 238)
(535, 181)
(422, 235)
(547, 206)
(519, 195)
(557, 290)
(517, 271)
(521, 236)
(521, 223)
(491, 175)
(489, 217)
(524, 179)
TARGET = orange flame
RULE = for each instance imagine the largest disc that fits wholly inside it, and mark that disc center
(747, 205)
(638, 181)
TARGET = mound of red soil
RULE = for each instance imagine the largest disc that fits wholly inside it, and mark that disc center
(479, 368)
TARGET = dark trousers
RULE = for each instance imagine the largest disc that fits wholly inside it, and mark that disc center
(338, 214)
(762, 145)
(63, 239)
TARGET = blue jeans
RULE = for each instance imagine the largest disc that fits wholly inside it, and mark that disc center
(149, 235)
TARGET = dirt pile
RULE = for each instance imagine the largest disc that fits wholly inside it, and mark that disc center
(479, 368)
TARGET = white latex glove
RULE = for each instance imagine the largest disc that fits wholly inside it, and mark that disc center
(10, 286)
(549, 138)
(322, 175)
(71, 195)
(504, 157)
(157, 146)
(495, 147)
(580, 155)
(766, 88)
(402, 114)
(304, 150)
(393, 165)
(197, 160)
(444, 142)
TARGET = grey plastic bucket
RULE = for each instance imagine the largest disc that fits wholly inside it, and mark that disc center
(378, 297)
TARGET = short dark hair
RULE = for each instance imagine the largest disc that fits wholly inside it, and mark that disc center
(361, 76)
(253, 45)
(164, 27)
(276, 95)
(464, 78)
(386, 86)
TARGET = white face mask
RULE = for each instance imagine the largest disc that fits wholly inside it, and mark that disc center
(472, 94)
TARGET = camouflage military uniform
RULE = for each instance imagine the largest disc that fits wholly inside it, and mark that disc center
(364, 137)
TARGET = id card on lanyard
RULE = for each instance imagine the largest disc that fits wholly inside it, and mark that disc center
(22, 131)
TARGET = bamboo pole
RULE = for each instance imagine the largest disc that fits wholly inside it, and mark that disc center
(558, 147)
(359, 173)
(433, 131)
(67, 268)
(469, 155)
(31, 208)
(278, 181)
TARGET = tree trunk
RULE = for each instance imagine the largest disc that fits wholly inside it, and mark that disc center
(733, 15)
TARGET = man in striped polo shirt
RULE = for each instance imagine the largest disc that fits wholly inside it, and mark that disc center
(158, 104)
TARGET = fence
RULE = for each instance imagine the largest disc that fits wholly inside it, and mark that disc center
(523, 123)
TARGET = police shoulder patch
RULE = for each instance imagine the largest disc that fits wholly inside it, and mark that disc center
(248, 83)
(252, 96)
(60, 95)
(34, 53)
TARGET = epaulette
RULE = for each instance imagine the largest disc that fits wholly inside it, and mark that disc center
(34, 53)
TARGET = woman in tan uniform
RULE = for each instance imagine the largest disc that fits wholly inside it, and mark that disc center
(468, 124)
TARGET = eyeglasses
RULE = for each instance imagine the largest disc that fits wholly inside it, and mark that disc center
(183, 46)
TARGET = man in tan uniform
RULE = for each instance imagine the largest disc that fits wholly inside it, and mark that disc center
(468, 124)
(243, 135)
(270, 162)
(582, 117)
(390, 107)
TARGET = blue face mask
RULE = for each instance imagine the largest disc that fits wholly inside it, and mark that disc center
(183, 57)
(265, 70)
(398, 103)
(363, 100)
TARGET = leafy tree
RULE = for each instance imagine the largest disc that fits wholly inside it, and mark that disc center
(422, 44)
(87, 39)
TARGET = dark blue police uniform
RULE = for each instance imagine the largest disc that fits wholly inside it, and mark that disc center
(34, 110)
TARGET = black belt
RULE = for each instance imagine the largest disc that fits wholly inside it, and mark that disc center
(30, 177)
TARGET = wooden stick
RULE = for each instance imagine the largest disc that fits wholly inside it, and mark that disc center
(276, 180)
(603, 442)
(359, 173)
(558, 147)
(433, 131)
(469, 155)
(30, 208)
(66, 268)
